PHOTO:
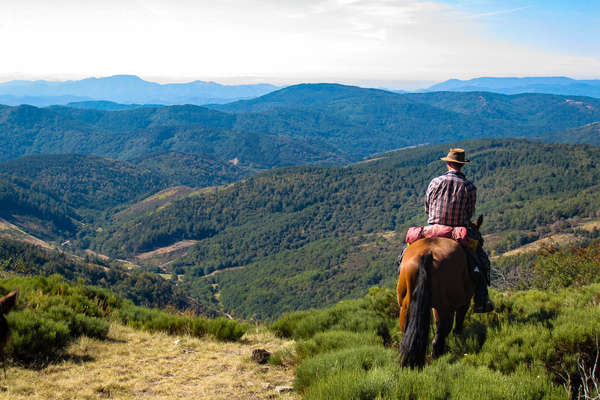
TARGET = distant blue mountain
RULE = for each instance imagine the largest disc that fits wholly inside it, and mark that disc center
(550, 85)
(126, 89)
(108, 105)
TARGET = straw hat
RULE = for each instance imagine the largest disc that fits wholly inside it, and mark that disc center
(456, 156)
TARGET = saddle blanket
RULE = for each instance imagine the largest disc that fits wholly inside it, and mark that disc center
(458, 233)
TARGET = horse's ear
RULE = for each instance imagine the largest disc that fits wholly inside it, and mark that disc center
(8, 302)
(479, 221)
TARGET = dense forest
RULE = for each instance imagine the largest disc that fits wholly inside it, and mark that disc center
(288, 238)
(297, 125)
(522, 185)
(313, 235)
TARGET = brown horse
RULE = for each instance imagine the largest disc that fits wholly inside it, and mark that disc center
(7, 303)
(434, 274)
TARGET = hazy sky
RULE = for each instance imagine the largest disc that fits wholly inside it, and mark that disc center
(287, 41)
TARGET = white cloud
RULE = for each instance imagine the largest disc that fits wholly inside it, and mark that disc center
(280, 39)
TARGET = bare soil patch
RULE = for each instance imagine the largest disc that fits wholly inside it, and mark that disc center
(175, 247)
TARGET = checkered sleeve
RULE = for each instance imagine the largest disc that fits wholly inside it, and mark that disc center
(472, 199)
(430, 189)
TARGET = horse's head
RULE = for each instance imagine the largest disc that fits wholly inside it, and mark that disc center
(478, 223)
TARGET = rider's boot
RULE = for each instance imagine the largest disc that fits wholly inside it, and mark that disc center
(480, 275)
(482, 301)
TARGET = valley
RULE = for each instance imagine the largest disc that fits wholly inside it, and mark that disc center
(286, 211)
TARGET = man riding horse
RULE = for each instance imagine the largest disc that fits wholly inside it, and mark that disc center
(450, 201)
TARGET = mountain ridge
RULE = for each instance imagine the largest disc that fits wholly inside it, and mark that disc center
(126, 89)
(512, 85)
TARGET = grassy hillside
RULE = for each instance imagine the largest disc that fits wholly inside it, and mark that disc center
(85, 328)
(87, 342)
(538, 344)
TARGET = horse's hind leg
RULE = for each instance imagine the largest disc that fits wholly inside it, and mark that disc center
(443, 328)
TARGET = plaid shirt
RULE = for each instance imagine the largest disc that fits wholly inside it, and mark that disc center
(450, 199)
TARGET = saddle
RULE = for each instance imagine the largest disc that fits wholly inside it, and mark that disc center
(458, 233)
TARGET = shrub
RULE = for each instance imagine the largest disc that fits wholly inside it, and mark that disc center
(558, 268)
(324, 365)
(226, 329)
(444, 380)
(78, 323)
(352, 315)
(161, 321)
(377, 383)
(285, 326)
(513, 345)
(334, 340)
(153, 320)
(439, 381)
(35, 337)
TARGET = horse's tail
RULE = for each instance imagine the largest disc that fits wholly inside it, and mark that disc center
(413, 345)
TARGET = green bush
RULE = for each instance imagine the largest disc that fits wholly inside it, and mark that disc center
(285, 326)
(35, 337)
(324, 365)
(153, 320)
(160, 321)
(226, 329)
(441, 380)
(445, 380)
(351, 315)
(334, 340)
(513, 345)
(50, 313)
(78, 323)
(377, 383)
(558, 268)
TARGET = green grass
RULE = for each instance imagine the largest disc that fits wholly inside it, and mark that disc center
(50, 313)
(527, 349)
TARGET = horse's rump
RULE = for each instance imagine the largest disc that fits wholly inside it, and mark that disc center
(443, 261)
(449, 275)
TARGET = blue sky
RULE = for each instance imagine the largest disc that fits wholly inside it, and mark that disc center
(561, 26)
(393, 43)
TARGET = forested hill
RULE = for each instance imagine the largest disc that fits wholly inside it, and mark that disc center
(588, 133)
(50, 194)
(298, 125)
(139, 132)
(538, 84)
(522, 185)
(302, 237)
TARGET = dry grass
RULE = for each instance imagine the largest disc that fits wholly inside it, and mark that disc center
(134, 364)
(12, 231)
(561, 239)
(175, 247)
